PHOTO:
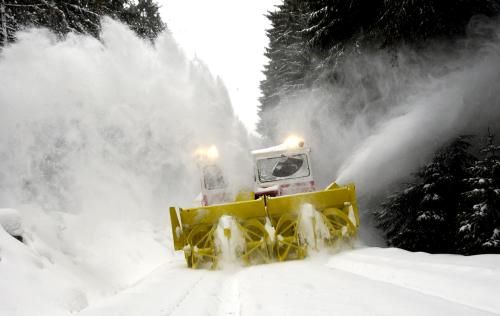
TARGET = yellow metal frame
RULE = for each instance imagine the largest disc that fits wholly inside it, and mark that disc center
(258, 248)
(193, 229)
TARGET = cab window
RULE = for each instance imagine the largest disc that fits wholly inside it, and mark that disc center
(213, 178)
(283, 167)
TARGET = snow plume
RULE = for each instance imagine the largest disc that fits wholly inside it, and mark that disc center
(229, 241)
(312, 227)
(391, 111)
(97, 139)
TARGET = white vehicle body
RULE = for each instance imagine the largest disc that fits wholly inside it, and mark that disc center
(282, 170)
(214, 189)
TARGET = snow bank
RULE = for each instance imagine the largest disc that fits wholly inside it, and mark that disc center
(32, 285)
(10, 220)
(471, 281)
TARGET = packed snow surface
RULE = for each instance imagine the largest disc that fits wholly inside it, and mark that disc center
(370, 281)
(375, 281)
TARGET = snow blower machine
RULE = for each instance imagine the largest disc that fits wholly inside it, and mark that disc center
(280, 219)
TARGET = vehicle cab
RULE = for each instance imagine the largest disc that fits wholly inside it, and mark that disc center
(214, 189)
(284, 169)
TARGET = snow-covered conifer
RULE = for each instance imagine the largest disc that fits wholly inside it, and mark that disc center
(479, 217)
(83, 17)
(423, 216)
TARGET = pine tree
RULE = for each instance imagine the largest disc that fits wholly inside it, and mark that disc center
(8, 24)
(80, 16)
(3, 23)
(479, 219)
(144, 18)
(442, 186)
(289, 56)
(397, 218)
(332, 24)
(423, 217)
(311, 42)
(411, 22)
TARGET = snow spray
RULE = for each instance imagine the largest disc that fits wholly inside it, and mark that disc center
(388, 115)
(98, 137)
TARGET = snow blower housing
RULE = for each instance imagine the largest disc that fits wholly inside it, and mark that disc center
(268, 220)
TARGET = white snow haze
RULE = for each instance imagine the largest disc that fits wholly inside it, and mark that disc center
(96, 141)
(385, 121)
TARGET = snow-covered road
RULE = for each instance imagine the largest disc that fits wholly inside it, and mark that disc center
(367, 281)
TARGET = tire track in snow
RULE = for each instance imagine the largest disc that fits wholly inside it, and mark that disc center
(159, 293)
(185, 295)
(214, 293)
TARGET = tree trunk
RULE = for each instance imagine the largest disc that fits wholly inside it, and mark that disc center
(3, 18)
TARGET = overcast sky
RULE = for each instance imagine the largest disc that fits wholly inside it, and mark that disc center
(229, 36)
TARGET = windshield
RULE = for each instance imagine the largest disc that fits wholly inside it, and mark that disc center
(284, 167)
(213, 178)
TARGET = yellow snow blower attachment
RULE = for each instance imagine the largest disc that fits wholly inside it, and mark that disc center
(280, 220)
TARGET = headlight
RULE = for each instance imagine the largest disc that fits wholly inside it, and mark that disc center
(293, 141)
(210, 153)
